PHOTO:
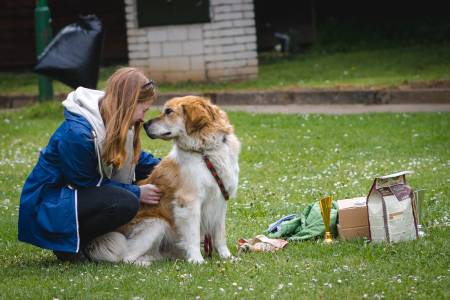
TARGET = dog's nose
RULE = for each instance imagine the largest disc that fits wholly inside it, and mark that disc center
(147, 124)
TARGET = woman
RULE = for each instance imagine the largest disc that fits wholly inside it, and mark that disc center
(82, 185)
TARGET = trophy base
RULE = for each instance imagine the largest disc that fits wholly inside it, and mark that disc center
(328, 238)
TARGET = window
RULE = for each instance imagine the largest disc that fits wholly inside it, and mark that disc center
(172, 12)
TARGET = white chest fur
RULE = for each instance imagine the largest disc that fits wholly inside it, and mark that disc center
(203, 208)
(194, 172)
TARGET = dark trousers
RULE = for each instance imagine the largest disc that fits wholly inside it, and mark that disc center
(103, 209)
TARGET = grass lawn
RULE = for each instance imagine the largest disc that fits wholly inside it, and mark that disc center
(366, 67)
(287, 161)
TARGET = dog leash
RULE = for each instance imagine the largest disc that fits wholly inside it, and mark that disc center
(219, 181)
(207, 243)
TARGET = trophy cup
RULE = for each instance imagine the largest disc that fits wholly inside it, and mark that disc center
(325, 209)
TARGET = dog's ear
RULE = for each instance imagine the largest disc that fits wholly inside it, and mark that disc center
(219, 118)
(212, 110)
(196, 117)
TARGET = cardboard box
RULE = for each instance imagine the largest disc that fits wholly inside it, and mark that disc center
(353, 212)
(354, 232)
(353, 218)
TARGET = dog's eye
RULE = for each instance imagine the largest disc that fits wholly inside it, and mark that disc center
(168, 111)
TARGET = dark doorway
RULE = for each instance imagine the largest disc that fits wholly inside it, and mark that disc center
(287, 17)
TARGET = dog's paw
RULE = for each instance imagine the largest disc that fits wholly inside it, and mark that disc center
(196, 260)
(143, 261)
(224, 253)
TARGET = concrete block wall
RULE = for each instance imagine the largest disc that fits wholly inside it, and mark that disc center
(223, 49)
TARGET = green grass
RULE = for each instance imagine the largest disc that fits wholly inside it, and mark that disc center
(287, 161)
(366, 68)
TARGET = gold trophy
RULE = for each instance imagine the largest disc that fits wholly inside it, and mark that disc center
(325, 209)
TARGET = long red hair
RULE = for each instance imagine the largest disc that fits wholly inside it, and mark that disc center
(125, 88)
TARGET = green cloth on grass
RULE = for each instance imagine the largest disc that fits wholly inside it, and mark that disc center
(307, 225)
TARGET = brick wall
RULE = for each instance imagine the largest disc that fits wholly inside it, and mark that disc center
(223, 49)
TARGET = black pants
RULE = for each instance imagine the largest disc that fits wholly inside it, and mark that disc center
(103, 209)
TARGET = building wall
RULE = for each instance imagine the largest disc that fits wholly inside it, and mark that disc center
(223, 49)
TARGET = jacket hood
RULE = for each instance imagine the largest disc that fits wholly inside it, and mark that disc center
(84, 102)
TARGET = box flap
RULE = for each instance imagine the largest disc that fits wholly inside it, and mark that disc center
(352, 202)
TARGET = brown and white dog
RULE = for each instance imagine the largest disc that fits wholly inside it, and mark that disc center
(192, 203)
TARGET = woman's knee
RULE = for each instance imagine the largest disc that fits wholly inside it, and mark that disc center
(113, 202)
(126, 204)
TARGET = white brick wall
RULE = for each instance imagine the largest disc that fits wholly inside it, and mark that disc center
(177, 33)
(223, 49)
(171, 49)
(154, 50)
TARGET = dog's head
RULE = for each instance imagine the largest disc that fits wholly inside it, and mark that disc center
(189, 117)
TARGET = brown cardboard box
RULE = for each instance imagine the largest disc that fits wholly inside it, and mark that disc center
(353, 212)
(354, 232)
(353, 218)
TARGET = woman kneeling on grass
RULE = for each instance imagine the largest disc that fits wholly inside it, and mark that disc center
(83, 183)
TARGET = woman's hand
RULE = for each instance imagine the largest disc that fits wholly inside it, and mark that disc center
(150, 194)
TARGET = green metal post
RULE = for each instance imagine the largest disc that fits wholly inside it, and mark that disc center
(43, 37)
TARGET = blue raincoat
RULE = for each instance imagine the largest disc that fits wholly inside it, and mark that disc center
(48, 203)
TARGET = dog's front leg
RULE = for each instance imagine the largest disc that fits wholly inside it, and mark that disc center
(219, 233)
(187, 221)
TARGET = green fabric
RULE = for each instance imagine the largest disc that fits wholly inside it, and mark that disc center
(307, 225)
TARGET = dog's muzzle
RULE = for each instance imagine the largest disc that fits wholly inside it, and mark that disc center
(147, 131)
(147, 124)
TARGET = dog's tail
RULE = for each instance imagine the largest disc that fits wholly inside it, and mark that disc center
(109, 247)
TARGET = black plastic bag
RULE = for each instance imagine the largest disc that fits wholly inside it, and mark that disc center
(73, 56)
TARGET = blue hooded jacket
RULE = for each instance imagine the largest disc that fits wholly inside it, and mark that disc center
(48, 203)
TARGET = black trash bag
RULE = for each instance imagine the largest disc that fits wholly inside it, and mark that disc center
(73, 56)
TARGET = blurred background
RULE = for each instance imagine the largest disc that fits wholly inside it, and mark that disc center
(325, 25)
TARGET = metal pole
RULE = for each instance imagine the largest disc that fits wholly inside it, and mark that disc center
(43, 37)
